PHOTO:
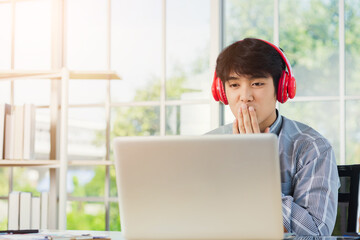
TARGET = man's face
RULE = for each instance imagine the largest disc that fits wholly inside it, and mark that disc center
(256, 92)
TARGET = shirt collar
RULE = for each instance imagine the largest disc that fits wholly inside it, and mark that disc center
(276, 126)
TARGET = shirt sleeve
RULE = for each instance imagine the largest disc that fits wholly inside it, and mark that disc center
(312, 206)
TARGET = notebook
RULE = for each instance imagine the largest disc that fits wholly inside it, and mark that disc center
(199, 187)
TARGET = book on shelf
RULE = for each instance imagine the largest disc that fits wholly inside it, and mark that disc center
(44, 208)
(19, 138)
(19, 132)
(25, 211)
(35, 213)
(13, 210)
(29, 131)
(3, 109)
(9, 132)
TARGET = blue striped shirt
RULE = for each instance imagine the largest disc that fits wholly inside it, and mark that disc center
(309, 177)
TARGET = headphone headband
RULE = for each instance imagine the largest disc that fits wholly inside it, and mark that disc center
(287, 63)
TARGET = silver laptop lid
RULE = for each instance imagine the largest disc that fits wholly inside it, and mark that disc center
(203, 187)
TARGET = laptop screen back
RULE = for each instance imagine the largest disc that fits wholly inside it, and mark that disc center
(203, 187)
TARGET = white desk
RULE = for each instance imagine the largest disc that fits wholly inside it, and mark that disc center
(114, 235)
(68, 234)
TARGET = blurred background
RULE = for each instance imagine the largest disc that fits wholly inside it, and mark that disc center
(164, 52)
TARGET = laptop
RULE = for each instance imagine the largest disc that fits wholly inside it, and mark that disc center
(199, 187)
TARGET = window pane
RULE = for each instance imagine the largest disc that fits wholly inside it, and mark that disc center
(5, 91)
(34, 180)
(113, 186)
(86, 181)
(86, 132)
(3, 216)
(5, 36)
(4, 183)
(309, 37)
(87, 34)
(42, 133)
(136, 49)
(114, 217)
(187, 49)
(33, 34)
(85, 216)
(248, 19)
(321, 116)
(135, 121)
(187, 119)
(87, 91)
(244, 19)
(352, 46)
(228, 115)
(39, 89)
(352, 132)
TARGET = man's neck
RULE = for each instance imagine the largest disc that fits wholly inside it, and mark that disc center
(269, 121)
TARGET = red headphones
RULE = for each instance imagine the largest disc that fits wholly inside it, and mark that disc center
(286, 88)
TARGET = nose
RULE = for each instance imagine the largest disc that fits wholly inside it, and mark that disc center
(246, 95)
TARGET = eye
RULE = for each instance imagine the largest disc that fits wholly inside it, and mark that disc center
(233, 85)
(258, 84)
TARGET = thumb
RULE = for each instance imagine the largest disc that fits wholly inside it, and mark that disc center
(267, 130)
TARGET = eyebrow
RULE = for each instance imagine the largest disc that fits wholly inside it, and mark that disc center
(232, 78)
(250, 78)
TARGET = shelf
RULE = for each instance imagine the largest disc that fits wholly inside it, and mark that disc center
(64, 75)
(46, 74)
(53, 163)
(20, 74)
(94, 75)
(90, 163)
(29, 163)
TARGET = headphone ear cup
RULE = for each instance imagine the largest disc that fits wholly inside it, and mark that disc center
(292, 87)
(221, 91)
(214, 89)
(217, 90)
(282, 96)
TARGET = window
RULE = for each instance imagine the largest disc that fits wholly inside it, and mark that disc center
(164, 82)
(318, 37)
(161, 50)
(162, 58)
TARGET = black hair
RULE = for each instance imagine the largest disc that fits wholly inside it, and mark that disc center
(251, 57)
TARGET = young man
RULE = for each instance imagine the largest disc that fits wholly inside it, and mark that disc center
(251, 76)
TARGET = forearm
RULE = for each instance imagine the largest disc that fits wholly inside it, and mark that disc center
(310, 207)
(299, 220)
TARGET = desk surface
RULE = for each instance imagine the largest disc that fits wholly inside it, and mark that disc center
(114, 235)
(118, 236)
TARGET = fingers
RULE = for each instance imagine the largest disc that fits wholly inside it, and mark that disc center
(246, 121)
(254, 121)
(267, 130)
(240, 121)
(235, 127)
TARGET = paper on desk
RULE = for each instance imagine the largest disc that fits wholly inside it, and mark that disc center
(51, 236)
(23, 237)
